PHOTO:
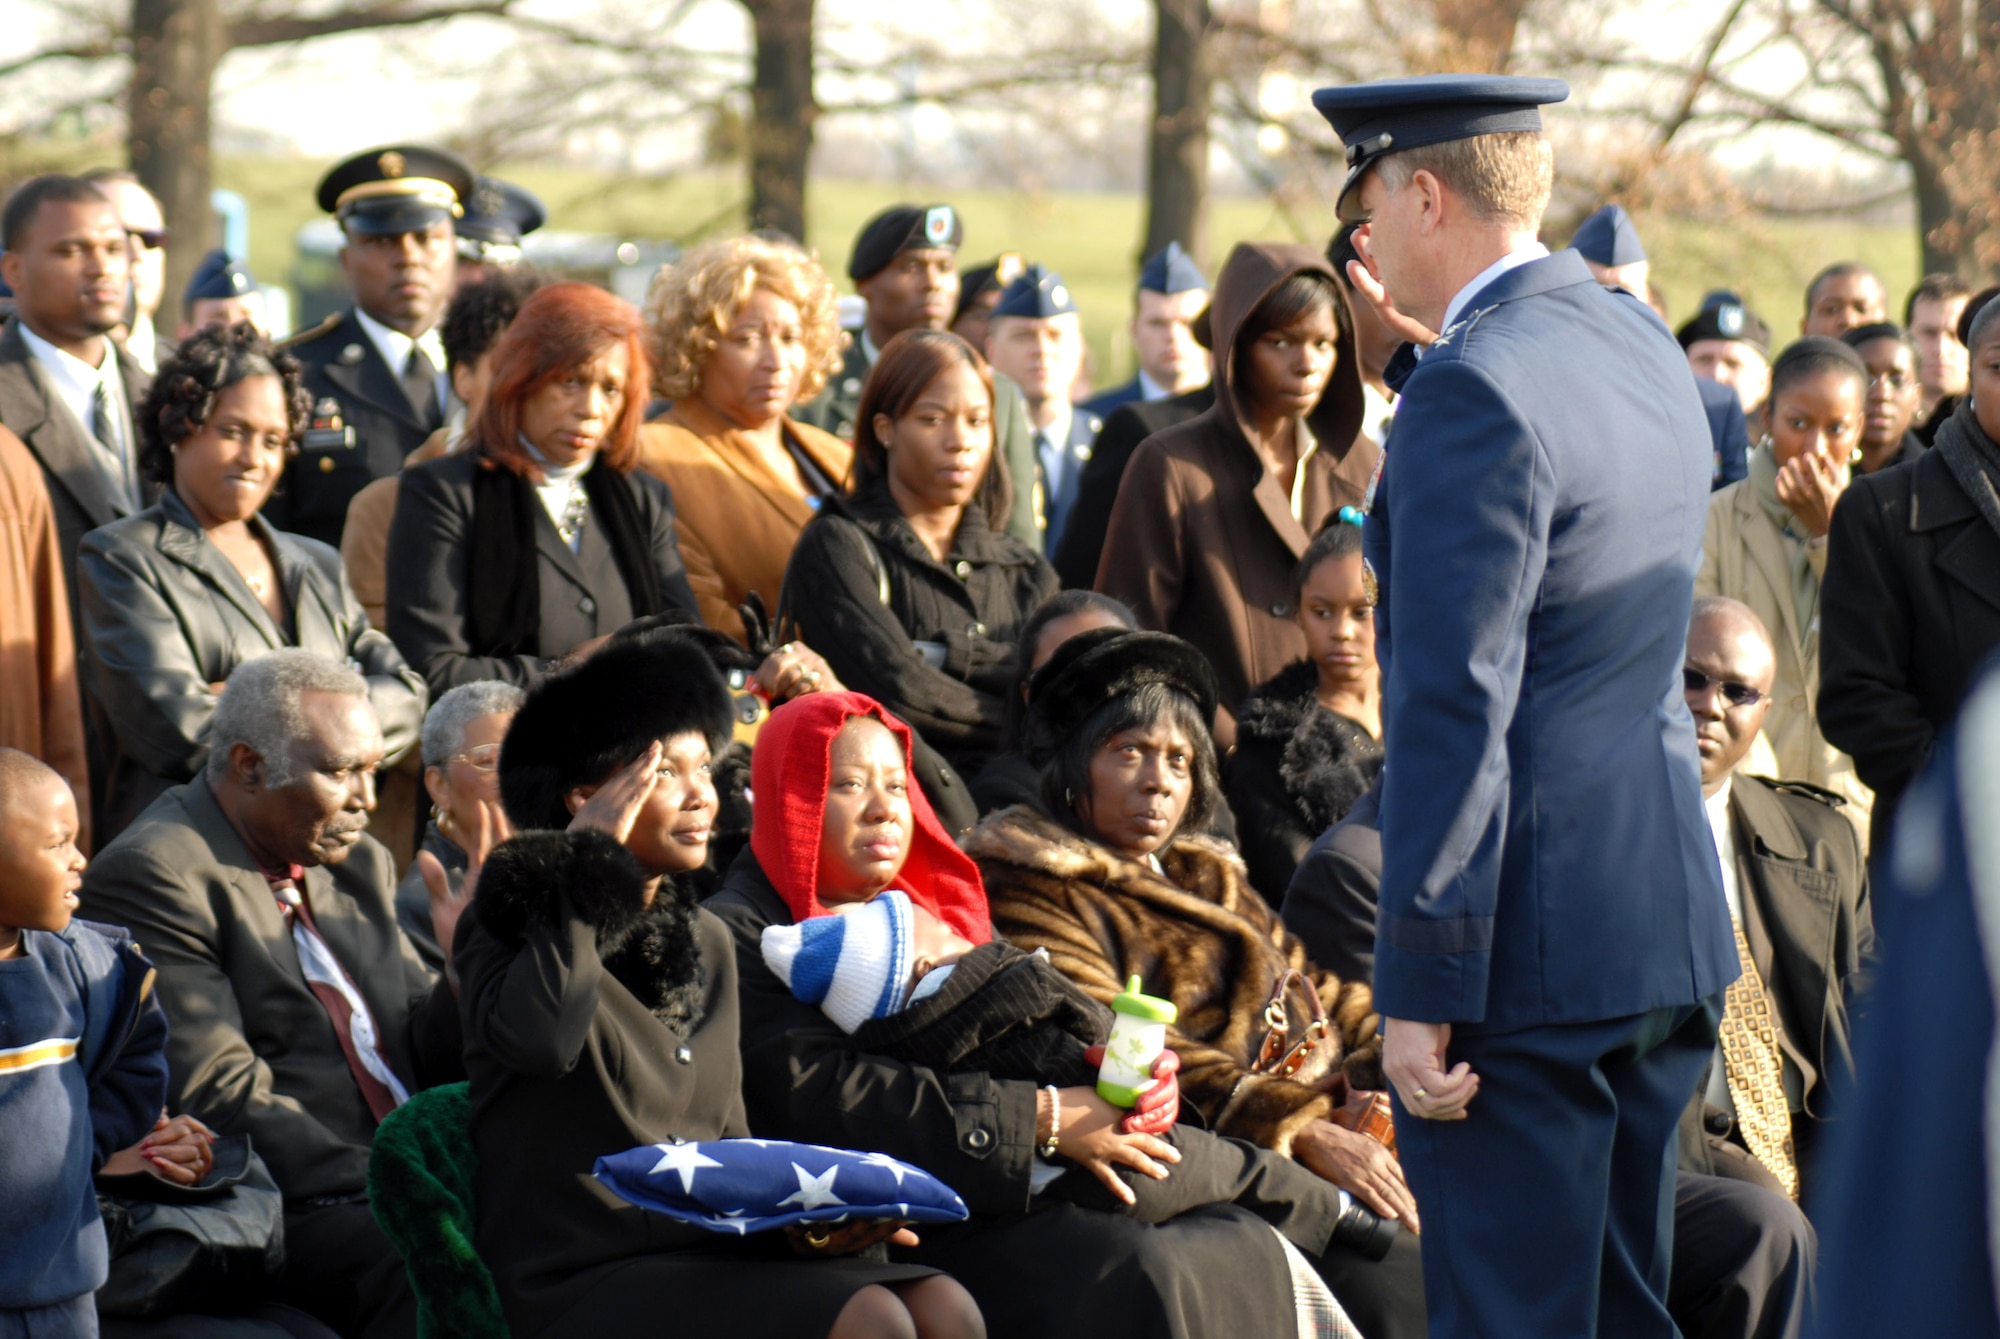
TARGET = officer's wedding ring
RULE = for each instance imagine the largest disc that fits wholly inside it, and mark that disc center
(1420, 1094)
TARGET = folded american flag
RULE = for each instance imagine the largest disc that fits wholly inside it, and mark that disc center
(753, 1185)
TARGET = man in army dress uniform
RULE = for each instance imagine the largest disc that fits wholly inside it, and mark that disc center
(905, 267)
(376, 371)
(497, 216)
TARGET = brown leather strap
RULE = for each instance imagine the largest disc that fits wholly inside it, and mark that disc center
(1272, 1057)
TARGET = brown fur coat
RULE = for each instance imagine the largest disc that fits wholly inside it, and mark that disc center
(1200, 936)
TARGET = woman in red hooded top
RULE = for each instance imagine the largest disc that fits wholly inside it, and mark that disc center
(838, 820)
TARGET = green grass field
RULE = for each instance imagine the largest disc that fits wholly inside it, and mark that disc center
(1090, 239)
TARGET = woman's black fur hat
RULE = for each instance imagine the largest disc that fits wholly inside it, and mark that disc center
(1095, 667)
(583, 723)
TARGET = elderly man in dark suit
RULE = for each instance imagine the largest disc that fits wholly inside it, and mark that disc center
(66, 389)
(1797, 888)
(300, 1014)
(376, 371)
(1553, 942)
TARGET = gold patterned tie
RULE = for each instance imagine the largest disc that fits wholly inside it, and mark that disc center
(1755, 1070)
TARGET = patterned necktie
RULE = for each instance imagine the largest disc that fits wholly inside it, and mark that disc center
(353, 1024)
(1754, 1068)
(420, 385)
(107, 428)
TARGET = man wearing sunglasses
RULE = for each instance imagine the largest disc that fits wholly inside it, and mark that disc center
(1797, 888)
(146, 243)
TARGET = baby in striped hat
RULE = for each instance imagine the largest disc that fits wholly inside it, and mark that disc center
(867, 960)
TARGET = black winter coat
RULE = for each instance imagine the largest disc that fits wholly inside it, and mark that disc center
(1909, 607)
(1297, 769)
(863, 591)
(595, 1024)
(1082, 543)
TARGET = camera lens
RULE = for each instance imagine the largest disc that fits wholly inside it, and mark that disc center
(1359, 1228)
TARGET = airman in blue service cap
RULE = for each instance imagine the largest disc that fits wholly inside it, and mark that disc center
(1394, 114)
(901, 228)
(497, 216)
(396, 189)
(1037, 294)
(218, 278)
(1609, 237)
(1172, 270)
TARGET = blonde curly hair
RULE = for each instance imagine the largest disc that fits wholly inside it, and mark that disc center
(691, 303)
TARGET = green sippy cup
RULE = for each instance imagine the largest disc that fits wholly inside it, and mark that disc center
(1138, 1036)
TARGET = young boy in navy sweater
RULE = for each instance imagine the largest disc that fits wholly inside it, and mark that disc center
(83, 1068)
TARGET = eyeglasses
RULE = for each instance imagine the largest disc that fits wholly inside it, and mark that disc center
(150, 238)
(1736, 694)
(485, 758)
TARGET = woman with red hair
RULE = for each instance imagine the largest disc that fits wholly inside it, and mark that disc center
(538, 540)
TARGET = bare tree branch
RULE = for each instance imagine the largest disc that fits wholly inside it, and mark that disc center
(256, 32)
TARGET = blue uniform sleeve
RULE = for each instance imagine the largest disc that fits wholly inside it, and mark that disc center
(1459, 549)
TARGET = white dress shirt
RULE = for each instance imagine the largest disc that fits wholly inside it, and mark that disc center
(1513, 260)
(75, 383)
(395, 348)
(1725, 847)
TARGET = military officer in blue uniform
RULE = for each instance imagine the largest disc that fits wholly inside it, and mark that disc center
(221, 292)
(1910, 1198)
(497, 216)
(905, 266)
(1035, 338)
(1172, 292)
(376, 371)
(1553, 940)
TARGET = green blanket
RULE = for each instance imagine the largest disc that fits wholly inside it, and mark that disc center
(420, 1184)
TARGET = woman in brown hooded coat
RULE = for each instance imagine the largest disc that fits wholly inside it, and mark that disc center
(1213, 514)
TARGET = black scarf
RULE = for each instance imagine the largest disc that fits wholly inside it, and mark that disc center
(1974, 460)
(504, 602)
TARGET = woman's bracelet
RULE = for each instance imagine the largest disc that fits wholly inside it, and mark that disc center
(1048, 1149)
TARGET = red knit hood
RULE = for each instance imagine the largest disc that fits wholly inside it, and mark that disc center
(788, 778)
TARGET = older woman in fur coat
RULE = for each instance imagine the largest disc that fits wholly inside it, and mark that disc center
(1111, 888)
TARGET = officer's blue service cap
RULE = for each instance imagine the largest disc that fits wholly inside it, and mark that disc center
(497, 216)
(901, 228)
(219, 277)
(1392, 114)
(1723, 316)
(1609, 237)
(1038, 294)
(396, 189)
(1172, 270)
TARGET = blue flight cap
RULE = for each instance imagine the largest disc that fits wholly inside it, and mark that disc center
(1391, 114)
(1172, 270)
(219, 277)
(1608, 237)
(1038, 294)
(497, 216)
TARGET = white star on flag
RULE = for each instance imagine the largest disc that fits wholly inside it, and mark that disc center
(887, 1163)
(733, 1220)
(682, 1158)
(814, 1191)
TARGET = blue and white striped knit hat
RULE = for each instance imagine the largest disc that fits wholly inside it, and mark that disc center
(854, 965)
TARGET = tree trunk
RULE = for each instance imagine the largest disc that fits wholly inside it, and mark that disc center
(1948, 246)
(1477, 34)
(176, 45)
(1177, 147)
(782, 113)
